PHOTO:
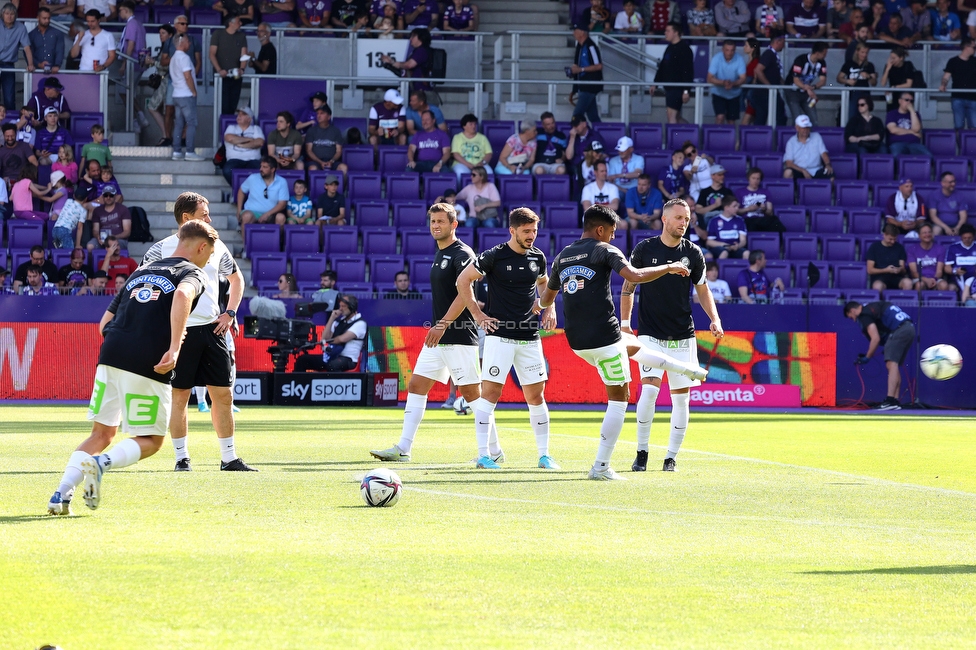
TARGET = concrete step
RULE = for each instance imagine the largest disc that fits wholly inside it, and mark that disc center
(142, 194)
(162, 165)
(509, 7)
(180, 181)
(166, 206)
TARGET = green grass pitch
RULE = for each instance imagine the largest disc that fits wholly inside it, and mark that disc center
(814, 531)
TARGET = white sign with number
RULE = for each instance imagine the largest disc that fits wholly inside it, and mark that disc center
(369, 56)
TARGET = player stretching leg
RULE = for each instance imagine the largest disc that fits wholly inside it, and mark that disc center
(451, 348)
(516, 272)
(143, 329)
(582, 270)
(666, 325)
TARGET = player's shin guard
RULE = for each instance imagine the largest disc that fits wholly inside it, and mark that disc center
(645, 414)
(679, 421)
(483, 410)
(121, 455)
(613, 423)
(73, 474)
(413, 415)
(539, 417)
(647, 357)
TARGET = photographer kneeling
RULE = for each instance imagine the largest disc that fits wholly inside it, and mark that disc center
(342, 340)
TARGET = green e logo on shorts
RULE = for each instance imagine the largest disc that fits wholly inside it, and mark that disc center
(612, 369)
(95, 405)
(141, 410)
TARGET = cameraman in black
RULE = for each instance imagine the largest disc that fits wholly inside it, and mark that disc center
(343, 338)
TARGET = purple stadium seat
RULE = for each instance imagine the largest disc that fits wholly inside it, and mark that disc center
(827, 220)
(865, 222)
(465, 234)
(563, 238)
(768, 242)
(167, 14)
(958, 166)
(410, 214)
(883, 192)
(655, 161)
(780, 191)
(267, 267)
(850, 275)
(348, 268)
(403, 187)
(420, 266)
(736, 165)
(61, 256)
(262, 238)
(646, 137)
(967, 144)
(862, 295)
(372, 213)
(490, 237)
(417, 242)
(80, 124)
(302, 239)
(852, 194)
(845, 165)
(562, 216)
(901, 297)
(637, 236)
(814, 192)
(771, 165)
(393, 159)
(780, 269)
(755, 138)
(364, 186)
(610, 132)
(677, 134)
(941, 142)
(346, 123)
(383, 270)
(794, 219)
(824, 296)
(793, 296)
(316, 182)
(877, 167)
(238, 176)
(358, 157)
(435, 184)
(783, 135)
(497, 132)
(379, 241)
(840, 248)
(340, 239)
(359, 289)
(729, 271)
(803, 271)
(24, 234)
(18, 257)
(718, 138)
(800, 246)
(200, 16)
(290, 176)
(268, 124)
(940, 299)
(515, 189)
(535, 206)
(833, 138)
(553, 188)
(917, 168)
(308, 267)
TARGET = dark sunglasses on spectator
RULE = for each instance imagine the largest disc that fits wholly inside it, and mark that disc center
(265, 192)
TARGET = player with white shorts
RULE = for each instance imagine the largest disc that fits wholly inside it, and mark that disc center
(502, 354)
(139, 405)
(685, 350)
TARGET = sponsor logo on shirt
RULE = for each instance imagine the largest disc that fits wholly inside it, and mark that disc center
(156, 280)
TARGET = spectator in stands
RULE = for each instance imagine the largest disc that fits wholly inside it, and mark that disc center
(96, 150)
(13, 38)
(601, 191)
(727, 231)
(243, 10)
(658, 14)
(46, 44)
(421, 13)
(905, 129)
(326, 293)
(96, 286)
(630, 21)
(917, 20)
(926, 261)
(265, 62)
(107, 8)
(701, 19)
(837, 16)
(267, 196)
(862, 33)
(753, 285)
(107, 179)
(595, 18)
(769, 18)
(755, 206)
(4, 289)
(418, 63)
(580, 136)
(22, 195)
(61, 11)
(323, 143)
(807, 75)
(120, 281)
(342, 340)
(51, 138)
(726, 72)
(331, 206)
(77, 273)
(550, 148)
(183, 81)
(132, 41)
(750, 53)
(592, 155)
(450, 197)
(37, 286)
(459, 16)
(50, 96)
(865, 132)
(314, 13)
(91, 175)
(110, 219)
(769, 72)
(806, 155)
(14, 155)
(114, 263)
(167, 49)
(858, 72)
(307, 117)
(960, 261)
(402, 290)
(719, 288)
(352, 15)
(587, 67)
(378, 10)
(57, 197)
(946, 25)
(287, 287)
(416, 105)
(961, 70)
(671, 181)
(227, 47)
(518, 153)
(886, 262)
(25, 126)
(387, 120)
(70, 220)
(470, 148)
(697, 170)
(899, 72)
(710, 198)
(37, 260)
(806, 20)
(430, 149)
(896, 33)
(285, 144)
(95, 46)
(644, 205)
(905, 209)
(948, 209)
(483, 200)
(301, 210)
(732, 18)
(677, 66)
(274, 13)
(624, 168)
(243, 142)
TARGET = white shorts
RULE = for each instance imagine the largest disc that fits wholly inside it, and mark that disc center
(611, 362)
(684, 350)
(548, 168)
(144, 403)
(457, 362)
(501, 354)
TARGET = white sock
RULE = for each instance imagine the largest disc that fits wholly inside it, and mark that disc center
(179, 445)
(613, 423)
(227, 450)
(413, 415)
(539, 418)
(72, 473)
(647, 357)
(679, 422)
(645, 414)
(483, 410)
(494, 448)
(201, 393)
(128, 452)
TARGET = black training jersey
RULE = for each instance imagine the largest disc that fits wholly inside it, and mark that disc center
(138, 336)
(512, 282)
(664, 310)
(583, 272)
(448, 265)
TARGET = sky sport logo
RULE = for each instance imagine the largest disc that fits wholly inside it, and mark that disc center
(727, 396)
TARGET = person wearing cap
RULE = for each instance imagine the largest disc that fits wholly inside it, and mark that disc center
(709, 204)
(587, 67)
(961, 70)
(580, 136)
(96, 286)
(624, 168)
(51, 137)
(330, 207)
(417, 65)
(677, 66)
(342, 340)
(806, 155)
(323, 143)
(518, 154)
(228, 47)
(469, 148)
(47, 45)
(50, 96)
(806, 75)
(285, 144)
(430, 149)
(388, 120)
(906, 210)
(601, 192)
(77, 273)
(243, 142)
(307, 118)
(594, 153)
(267, 196)
(95, 46)
(769, 72)
(727, 73)
(416, 105)
(112, 218)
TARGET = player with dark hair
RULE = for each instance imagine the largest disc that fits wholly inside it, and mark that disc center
(666, 324)
(582, 270)
(450, 351)
(886, 325)
(143, 333)
(516, 274)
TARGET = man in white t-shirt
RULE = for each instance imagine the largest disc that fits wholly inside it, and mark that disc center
(243, 142)
(181, 73)
(601, 191)
(96, 46)
(342, 340)
(106, 8)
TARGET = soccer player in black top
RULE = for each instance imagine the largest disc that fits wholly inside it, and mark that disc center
(582, 270)
(516, 273)
(884, 324)
(143, 330)
(666, 325)
(451, 348)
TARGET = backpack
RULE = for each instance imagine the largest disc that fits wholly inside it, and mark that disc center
(437, 64)
(140, 225)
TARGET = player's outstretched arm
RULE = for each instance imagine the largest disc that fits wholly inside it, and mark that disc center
(465, 288)
(178, 313)
(707, 301)
(626, 306)
(651, 273)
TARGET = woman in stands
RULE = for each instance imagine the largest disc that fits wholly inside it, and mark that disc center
(287, 287)
(518, 154)
(751, 50)
(865, 132)
(483, 200)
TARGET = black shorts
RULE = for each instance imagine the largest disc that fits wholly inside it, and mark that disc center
(896, 347)
(204, 359)
(727, 107)
(891, 280)
(672, 98)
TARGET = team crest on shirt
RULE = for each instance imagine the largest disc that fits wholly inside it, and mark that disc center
(685, 262)
(445, 262)
(145, 294)
(534, 267)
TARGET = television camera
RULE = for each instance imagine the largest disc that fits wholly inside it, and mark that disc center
(293, 337)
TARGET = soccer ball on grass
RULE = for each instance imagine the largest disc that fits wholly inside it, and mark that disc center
(941, 362)
(381, 487)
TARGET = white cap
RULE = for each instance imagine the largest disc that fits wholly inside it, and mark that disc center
(624, 143)
(803, 121)
(393, 96)
(56, 176)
